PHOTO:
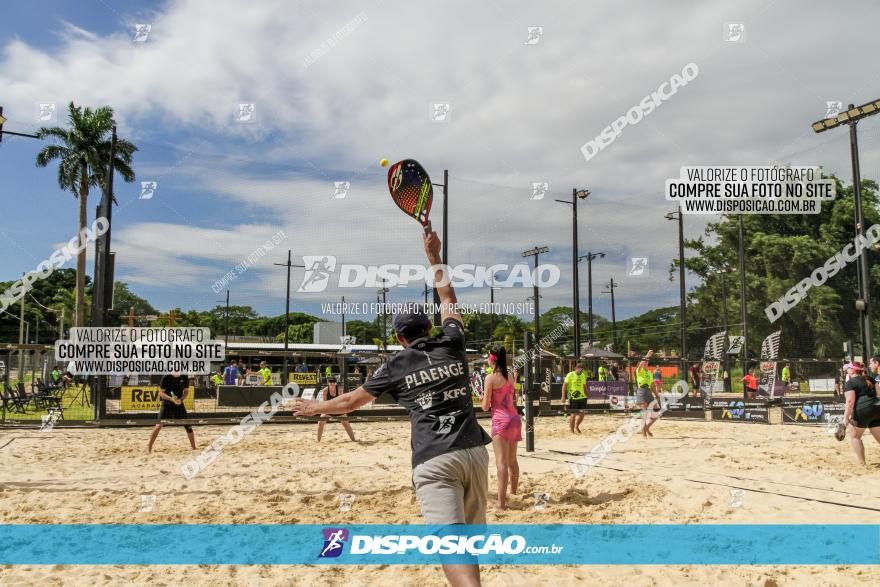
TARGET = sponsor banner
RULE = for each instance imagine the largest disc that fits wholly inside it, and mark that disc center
(767, 381)
(811, 411)
(603, 389)
(711, 375)
(303, 378)
(145, 398)
(687, 407)
(520, 544)
(621, 402)
(740, 411)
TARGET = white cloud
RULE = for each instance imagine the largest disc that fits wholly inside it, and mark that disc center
(519, 114)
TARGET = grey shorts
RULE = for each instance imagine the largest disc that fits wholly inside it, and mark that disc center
(644, 395)
(452, 487)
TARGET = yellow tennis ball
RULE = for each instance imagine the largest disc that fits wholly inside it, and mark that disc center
(384, 162)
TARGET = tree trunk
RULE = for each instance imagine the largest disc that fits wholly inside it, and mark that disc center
(80, 317)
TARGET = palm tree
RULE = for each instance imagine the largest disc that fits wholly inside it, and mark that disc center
(83, 153)
(511, 331)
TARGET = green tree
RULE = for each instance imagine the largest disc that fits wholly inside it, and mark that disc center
(82, 155)
(510, 332)
(780, 251)
(124, 300)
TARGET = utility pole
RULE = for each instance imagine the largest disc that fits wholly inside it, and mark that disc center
(589, 257)
(285, 370)
(726, 374)
(384, 291)
(611, 286)
(225, 321)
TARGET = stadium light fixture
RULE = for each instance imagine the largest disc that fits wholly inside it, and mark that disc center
(849, 116)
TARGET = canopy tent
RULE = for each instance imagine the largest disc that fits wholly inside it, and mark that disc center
(597, 353)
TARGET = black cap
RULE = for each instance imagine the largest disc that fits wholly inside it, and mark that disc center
(411, 322)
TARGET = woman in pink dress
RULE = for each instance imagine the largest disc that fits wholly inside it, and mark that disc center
(498, 392)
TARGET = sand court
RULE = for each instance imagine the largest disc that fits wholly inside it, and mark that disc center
(689, 473)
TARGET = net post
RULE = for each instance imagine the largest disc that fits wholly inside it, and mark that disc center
(528, 395)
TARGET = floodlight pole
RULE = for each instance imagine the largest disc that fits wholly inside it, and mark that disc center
(534, 253)
(575, 289)
(589, 257)
(864, 290)
(851, 118)
(682, 311)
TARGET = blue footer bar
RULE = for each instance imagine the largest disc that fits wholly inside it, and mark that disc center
(519, 544)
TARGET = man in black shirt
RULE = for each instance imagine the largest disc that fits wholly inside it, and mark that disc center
(172, 391)
(429, 377)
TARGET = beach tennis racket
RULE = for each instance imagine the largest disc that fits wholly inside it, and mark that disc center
(477, 385)
(411, 189)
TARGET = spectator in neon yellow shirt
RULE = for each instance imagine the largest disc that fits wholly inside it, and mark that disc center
(575, 386)
(644, 395)
(266, 373)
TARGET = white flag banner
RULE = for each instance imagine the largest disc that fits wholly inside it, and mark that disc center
(711, 367)
(715, 346)
(769, 354)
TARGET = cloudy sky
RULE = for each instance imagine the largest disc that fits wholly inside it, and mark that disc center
(338, 86)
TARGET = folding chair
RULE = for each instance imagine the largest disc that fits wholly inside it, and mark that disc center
(46, 398)
(27, 398)
(11, 401)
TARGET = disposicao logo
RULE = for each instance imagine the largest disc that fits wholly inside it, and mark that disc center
(334, 542)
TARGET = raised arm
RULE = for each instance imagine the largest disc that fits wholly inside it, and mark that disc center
(341, 404)
(442, 279)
